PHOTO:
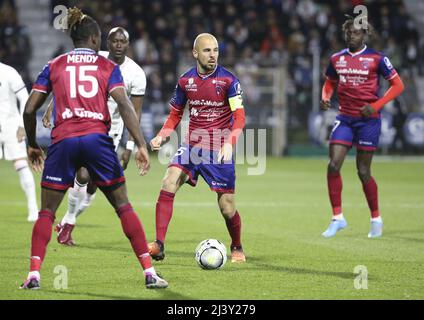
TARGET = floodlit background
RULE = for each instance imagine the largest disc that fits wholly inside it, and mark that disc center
(278, 48)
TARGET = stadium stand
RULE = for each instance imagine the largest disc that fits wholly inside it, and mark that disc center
(254, 35)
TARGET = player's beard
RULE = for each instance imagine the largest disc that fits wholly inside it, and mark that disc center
(208, 67)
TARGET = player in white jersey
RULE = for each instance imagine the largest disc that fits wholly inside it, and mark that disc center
(12, 132)
(83, 192)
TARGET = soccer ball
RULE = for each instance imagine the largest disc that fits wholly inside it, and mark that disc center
(211, 254)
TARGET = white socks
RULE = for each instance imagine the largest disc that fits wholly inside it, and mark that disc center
(28, 185)
(78, 201)
(378, 219)
(150, 270)
(85, 203)
(338, 217)
(34, 274)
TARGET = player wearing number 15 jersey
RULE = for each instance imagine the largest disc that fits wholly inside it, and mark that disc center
(80, 82)
(356, 71)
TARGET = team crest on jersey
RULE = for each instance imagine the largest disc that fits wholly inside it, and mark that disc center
(191, 86)
(366, 61)
(218, 90)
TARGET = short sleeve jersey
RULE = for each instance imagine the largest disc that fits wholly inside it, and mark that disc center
(81, 81)
(358, 77)
(211, 100)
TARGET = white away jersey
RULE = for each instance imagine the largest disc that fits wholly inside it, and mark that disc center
(10, 84)
(135, 84)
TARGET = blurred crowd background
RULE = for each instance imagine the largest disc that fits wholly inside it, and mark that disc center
(268, 44)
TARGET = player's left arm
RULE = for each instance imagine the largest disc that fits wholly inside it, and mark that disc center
(22, 96)
(35, 154)
(40, 92)
(21, 93)
(236, 104)
(138, 89)
(137, 102)
(396, 88)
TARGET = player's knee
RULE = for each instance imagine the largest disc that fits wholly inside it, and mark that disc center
(364, 174)
(83, 177)
(170, 184)
(227, 207)
(20, 164)
(334, 166)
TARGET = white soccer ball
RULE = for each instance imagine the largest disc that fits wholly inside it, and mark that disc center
(211, 254)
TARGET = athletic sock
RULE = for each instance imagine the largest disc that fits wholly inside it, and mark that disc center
(41, 235)
(164, 208)
(371, 193)
(134, 231)
(338, 216)
(151, 271)
(28, 186)
(378, 219)
(335, 186)
(85, 203)
(75, 196)
(234, 229)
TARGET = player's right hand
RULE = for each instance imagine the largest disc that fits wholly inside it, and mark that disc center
(155, 143)
(46, 121)
(142, 160)
(20, 134)
(325, 105)
(36, 159)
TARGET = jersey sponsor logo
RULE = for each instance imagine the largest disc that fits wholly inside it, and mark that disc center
(82, 113)
(353, 71)
(206, 103)
(366, 59)
(388, 63)
(67, 114)
(215, 81)
(84, 58)
(194, 112)
(239, 91)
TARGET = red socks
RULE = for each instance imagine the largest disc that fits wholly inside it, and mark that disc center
(371, 193)
(164, 208)
(234, 228)
(41, 235)
(335, 186)
(134, 231)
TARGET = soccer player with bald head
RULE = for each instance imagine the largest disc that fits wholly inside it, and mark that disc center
(217, 118)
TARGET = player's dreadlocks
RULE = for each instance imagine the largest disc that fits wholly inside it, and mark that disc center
(351, 21)
(81, 26)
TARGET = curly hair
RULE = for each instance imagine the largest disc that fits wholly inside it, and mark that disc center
(81, 26)
(350, 21)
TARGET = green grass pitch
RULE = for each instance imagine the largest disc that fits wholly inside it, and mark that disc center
(283, 215)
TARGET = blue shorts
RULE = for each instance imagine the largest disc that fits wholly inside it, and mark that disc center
(363, 133)
(221, 177)
(95, 152)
